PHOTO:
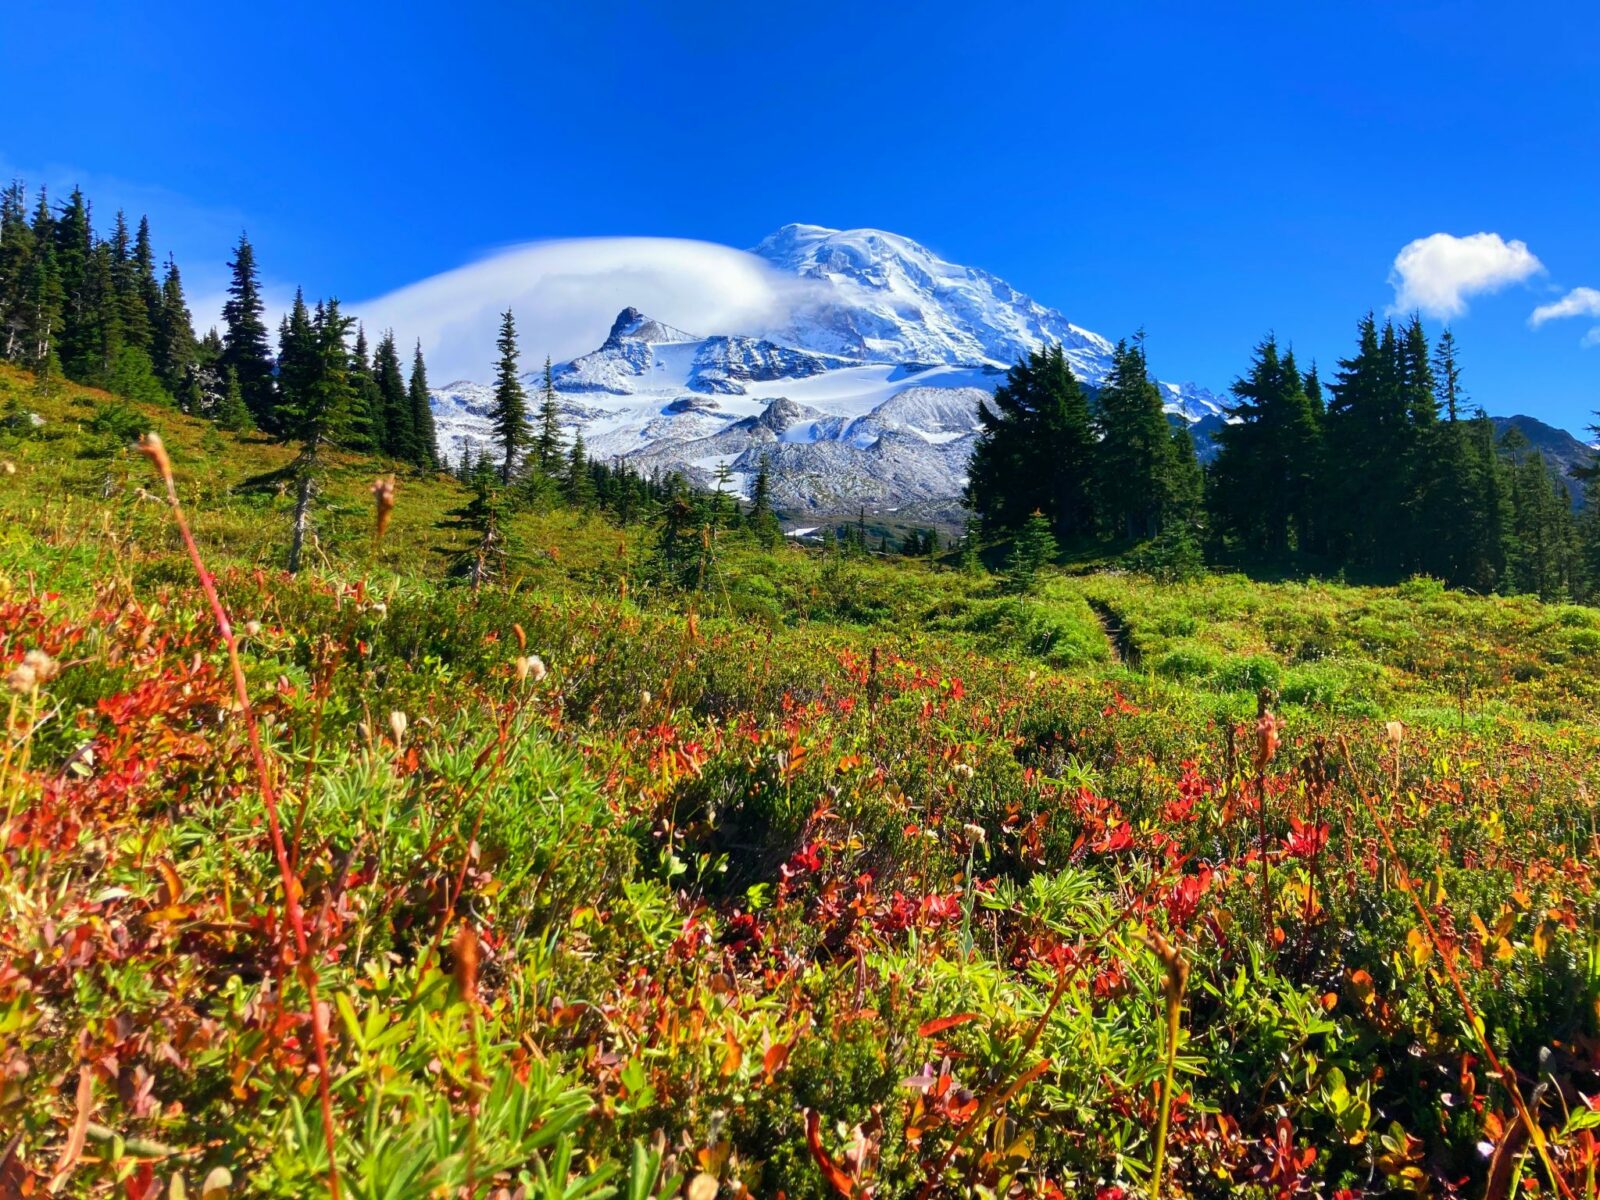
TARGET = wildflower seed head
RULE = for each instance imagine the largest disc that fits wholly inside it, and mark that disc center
(8, 468)
(43, 666)
(397, 725)
(22, 680)
(151, 447)
(252, 628)
(1267, 727)
(536, 668)
(1396, 733)
(383, 498)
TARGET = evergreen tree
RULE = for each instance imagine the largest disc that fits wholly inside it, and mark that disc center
(17, 252)
(1454, 492)
(245, 350)
(1370, 448)
(43, 296)
(372, 434)
(173, 349)
(761, 518)
(683, 542)
(547, 442)
(298, 365)
(509, 410)
(1447, 374)
(132, 296)
(320, 412)
(1491, 506)
(724, 511)
(1541, 547)
(399, 423)
(484, 515)
(1135, 465)
(427, 437)
(578, 484)
(1263, 483)
(232, 413)
(1313, 389)
(99, 336)
(1036, 450)
(144, 267)
(1033, 549)
(79, 343)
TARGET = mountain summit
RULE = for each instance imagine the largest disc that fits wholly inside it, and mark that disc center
(865, 394)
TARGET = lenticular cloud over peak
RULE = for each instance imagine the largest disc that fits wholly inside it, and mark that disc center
(566, 294)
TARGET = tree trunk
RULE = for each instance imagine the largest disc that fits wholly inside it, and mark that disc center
(302, 513)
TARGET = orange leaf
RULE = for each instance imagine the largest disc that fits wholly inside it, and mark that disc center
(940, 1024)
(836, 1178)
(170, 878)
(73, 1150)
(772, 1061)
(734, 1056)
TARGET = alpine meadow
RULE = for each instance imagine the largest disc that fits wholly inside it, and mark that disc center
(835, 728)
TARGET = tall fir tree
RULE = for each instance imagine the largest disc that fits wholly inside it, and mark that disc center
(78, 342)
(1035, 451)
(371, 435)
(44, 296)
(548, 441)
(578, 484)
(1368, 436)
(144, 268)
(399, 423)
(244, 342)
(508, 414)
(100, 333)
(17, 252)
(1263, 482)
(1453, 491)
(298, 365)
(320, 412)
(1135, 467)
(427, 436)
(132, 298)
(761, 519)
(172, 340)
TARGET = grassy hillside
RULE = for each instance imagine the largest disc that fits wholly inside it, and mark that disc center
(838, 877)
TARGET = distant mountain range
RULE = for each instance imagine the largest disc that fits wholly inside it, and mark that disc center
(865, 395)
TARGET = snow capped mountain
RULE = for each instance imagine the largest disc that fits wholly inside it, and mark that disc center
(888, 299)
(866, 393)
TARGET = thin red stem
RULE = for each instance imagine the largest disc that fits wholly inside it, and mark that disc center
(291, 883)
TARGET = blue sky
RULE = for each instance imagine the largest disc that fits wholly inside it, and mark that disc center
(1209, 172)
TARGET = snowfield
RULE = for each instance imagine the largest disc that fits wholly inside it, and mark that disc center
(866, 396)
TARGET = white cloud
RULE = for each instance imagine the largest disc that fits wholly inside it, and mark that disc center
(1579, 302)
(1591, 339)
(566, 294)
(1438, 273)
